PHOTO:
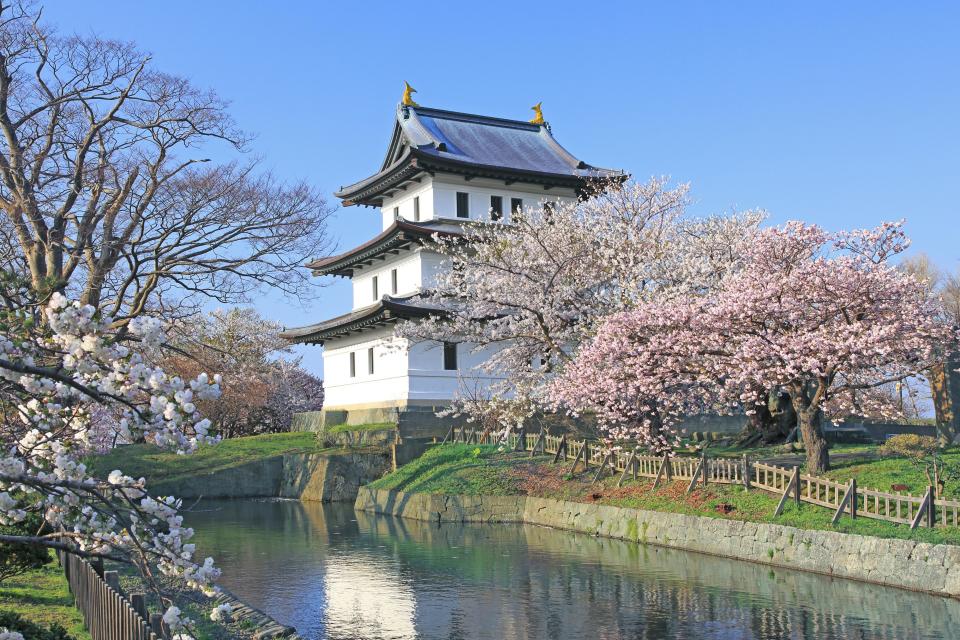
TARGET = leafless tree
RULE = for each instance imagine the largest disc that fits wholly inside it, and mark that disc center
(944, 377)
(106, 192)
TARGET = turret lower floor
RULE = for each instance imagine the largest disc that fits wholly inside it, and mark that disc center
(373, 371)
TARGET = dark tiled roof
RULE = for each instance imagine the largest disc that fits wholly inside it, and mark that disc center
(386, 310)
(432, 139)
(398, 235)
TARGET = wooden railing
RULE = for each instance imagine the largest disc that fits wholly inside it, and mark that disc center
(107, 613)
(787, 482)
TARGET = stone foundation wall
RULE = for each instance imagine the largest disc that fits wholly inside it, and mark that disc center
(919, 566)
(316, 477)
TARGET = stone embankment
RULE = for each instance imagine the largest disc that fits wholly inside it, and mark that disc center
(918, 566)
(314, 477)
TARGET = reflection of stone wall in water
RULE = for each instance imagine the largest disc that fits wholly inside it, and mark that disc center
(647, 591)
(920, 566)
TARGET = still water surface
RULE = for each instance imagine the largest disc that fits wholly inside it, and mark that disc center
(333, 573)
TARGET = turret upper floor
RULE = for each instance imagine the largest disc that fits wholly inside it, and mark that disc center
(454, 198)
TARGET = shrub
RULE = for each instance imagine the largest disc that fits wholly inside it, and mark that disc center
(13, 621)
(18, 558)
(924, 452)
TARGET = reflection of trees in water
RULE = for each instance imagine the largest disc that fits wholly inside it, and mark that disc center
(571, 583)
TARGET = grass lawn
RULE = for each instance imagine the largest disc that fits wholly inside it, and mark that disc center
(779, 450)
(153, 463)
(881, 473)
(454, 469)
(481, 470)
(42, 596)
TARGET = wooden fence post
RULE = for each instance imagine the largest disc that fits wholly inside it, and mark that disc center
(112, 578)
(746, 471)
(853, 498)
(664, 470)
(631, 464)
(931, 508)
(786, 492)
(156, 624)
(796, 485)
(583, 448)
(537, 444)
(850, 492)
(603, 466)
(561, 449)
(139, 603)
(696, 474)
(926, 509)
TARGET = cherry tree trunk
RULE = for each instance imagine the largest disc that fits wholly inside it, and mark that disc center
(810, 423)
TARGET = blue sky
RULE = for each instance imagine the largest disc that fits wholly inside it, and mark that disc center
(844, 114)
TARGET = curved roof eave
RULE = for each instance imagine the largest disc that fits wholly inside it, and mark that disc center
(418, 161)
(385, 311)
(401, 231)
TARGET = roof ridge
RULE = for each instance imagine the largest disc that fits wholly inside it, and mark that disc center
(474, 117)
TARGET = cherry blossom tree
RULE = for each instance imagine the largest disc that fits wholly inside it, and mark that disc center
(535, 286)
(825, 316)
(59, 363)
(263, 382)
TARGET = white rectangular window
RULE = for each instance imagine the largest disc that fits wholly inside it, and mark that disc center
(374, 287)
(463, 205)
(370, 360)
(393, 281)
(416, 209)
(450, 356)
(496, 208)
(516, 205)
(353, 364)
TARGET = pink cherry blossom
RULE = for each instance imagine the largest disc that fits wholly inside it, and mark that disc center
(824, 316)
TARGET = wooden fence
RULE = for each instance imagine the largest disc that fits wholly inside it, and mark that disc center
(107, 613)
(787, 482)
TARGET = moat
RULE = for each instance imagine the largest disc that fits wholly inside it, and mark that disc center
(339, 574)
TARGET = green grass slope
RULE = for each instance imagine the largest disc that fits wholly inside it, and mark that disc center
(43, 597)
(153, 463)
(482, 470)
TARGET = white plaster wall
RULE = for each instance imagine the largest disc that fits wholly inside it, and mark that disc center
(389, 381)
(445, 190)
(438, 198)
(431, 263)
(401, 372)
(430, 381)
(415, 271)
(404, 201)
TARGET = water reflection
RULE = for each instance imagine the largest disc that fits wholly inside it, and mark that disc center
(333, 573)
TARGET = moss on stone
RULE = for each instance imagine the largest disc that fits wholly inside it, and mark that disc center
(632, 532)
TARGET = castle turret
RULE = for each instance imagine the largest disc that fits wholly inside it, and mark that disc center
(442, 169)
